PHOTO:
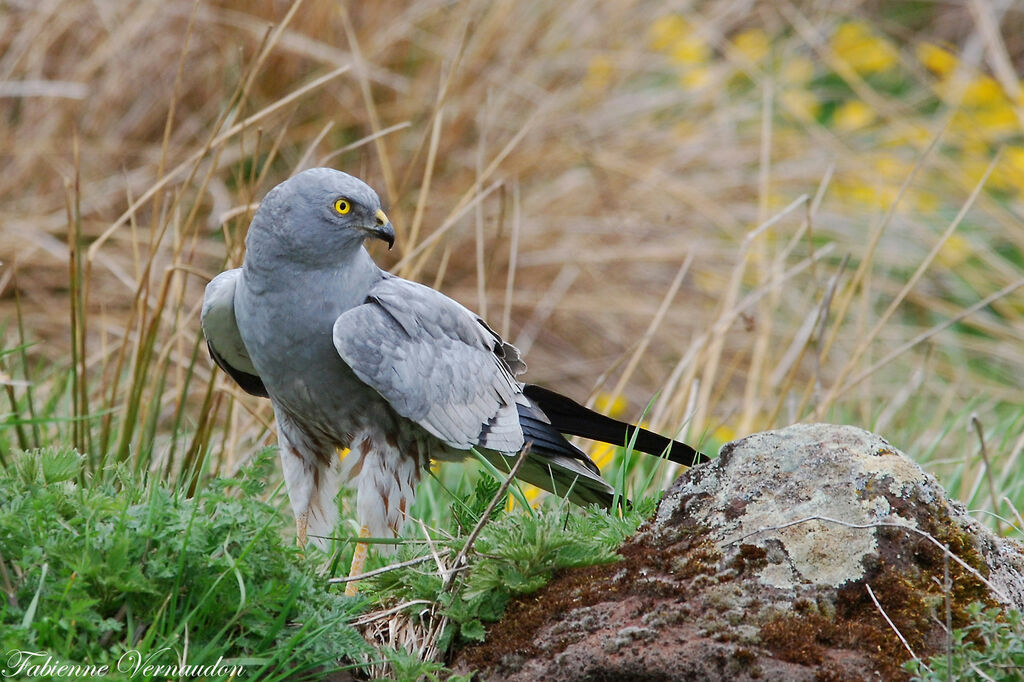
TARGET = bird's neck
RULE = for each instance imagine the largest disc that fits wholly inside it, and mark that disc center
(349, 276)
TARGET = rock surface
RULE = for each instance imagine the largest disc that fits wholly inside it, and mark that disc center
(758, 565)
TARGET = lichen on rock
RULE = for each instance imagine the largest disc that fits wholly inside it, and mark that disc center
(757, 565)
(771, 486)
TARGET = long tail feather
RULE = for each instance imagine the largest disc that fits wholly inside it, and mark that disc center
(568, 416)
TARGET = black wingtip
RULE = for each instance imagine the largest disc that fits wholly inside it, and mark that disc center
(250, 383)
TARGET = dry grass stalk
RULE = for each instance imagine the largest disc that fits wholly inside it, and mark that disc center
(536, 166)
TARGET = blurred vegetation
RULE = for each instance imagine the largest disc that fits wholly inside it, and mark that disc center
(720, 219)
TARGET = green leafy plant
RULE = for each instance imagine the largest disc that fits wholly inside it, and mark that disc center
(515, 553)
(108, 569)
(990, 648)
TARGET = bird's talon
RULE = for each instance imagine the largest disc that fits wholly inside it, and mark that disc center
(358, 562)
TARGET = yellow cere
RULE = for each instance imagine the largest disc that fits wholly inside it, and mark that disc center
(342, 206)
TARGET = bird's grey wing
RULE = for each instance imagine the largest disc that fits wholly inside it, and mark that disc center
(436, 363)
(222, 337)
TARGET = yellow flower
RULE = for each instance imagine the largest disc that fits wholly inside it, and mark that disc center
(695, 77)
(602, 454)
(800, 104)
(1011, 169)
(983, 92)
(667, 30)
(797, 70)
(685, 129)
(855, 192)
(891, 168)
(863, 194)
(974, 169)
(600, 71)
(926, 202)
(910, 135)
(604, 404)
(1008, 175)
(753, 44)
(936, 59)
(530, 492)
(690, 49)
(954, 252)
(865, 52)
(996, 122)
(853, 115)
(709, 281)
(988, 114)
(884, 196)
(724, 434)
(972, 143)
(1013, 157)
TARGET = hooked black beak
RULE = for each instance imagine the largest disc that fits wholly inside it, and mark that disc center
(383, 230)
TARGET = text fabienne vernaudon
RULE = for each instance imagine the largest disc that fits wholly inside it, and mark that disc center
(39, 664)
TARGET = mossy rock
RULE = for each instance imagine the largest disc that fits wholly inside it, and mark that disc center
(757, 566)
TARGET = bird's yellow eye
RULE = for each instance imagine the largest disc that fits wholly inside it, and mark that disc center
(342, 206)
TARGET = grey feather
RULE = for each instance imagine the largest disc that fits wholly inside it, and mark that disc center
(558, 474)
(222, 335)
(435, 362)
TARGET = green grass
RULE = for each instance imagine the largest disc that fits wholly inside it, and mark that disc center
(100, 570)
(516, 553)
(104, 569)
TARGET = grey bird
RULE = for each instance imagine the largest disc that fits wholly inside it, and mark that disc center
(399, 374)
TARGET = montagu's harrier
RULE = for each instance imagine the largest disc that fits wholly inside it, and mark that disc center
(354, 357)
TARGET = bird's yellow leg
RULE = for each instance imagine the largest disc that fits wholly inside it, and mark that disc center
(301, 523)
(358, 561)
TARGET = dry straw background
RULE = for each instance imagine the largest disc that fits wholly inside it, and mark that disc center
(754, 213)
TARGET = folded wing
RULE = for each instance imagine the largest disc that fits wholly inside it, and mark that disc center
(441, 366)
(222, 337)
(436, 363)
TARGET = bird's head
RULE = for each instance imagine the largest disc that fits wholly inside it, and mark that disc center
(318, 214)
